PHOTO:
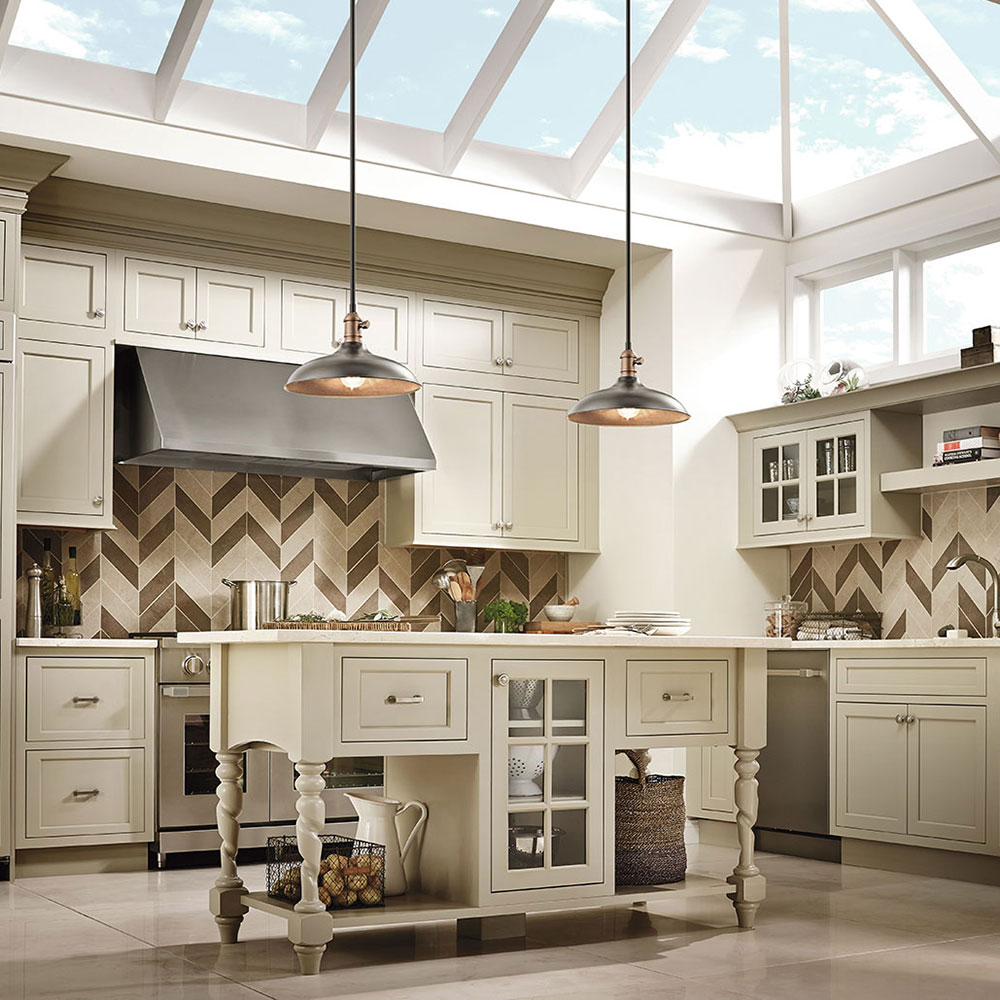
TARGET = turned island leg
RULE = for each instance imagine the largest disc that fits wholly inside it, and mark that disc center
(225, 898)
(312, 928)
(749, 885)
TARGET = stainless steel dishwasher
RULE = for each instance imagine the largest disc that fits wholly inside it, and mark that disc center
(794, 814)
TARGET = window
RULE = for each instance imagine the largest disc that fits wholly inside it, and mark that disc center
(856, 322)
(961, 292)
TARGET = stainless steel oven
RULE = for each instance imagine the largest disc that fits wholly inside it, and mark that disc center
(186, 785)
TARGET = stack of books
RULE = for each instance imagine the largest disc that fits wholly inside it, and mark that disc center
(968, 444)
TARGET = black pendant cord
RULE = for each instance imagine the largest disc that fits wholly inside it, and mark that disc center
(353, 128)
(628, 175)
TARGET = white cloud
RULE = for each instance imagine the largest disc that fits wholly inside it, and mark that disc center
(769, 49)
(274, 25)
(835, 6)
(585, 12)
(490, 12)
(691, 48)
(42, 24)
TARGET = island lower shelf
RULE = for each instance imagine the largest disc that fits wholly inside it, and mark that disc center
(419, 908)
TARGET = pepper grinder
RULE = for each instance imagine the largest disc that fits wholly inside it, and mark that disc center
(33, 612)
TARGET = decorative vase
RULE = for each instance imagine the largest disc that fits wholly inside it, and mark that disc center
(377, 824)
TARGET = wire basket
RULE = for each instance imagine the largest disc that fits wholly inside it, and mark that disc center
(335, 626)
(840, 626)
(351, 872)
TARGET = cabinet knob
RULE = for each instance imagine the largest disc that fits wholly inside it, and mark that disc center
(498, 362)
(802, 519)
(901, 719)
(98, 501)
(508, 362)
(201, 325)
(502, 680)
(498, 525)
(189, 324)
(98, 313)
(910, 719)
(508, 525)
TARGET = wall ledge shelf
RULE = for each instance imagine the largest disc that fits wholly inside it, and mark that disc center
(943, 478)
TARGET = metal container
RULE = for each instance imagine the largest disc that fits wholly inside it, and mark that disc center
(33, 609)
(253, 602)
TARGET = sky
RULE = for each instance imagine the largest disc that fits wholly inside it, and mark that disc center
(859, 102)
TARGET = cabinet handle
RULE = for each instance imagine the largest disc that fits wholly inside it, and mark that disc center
(677, 697)
(201, 325)
(85, 793)
(498, 362)
(98, 313)
(416, 699)
(508, 362)
(498, 525)
(901, 719)
(90, 699)
(98, 501)
(190, 325)
(502, 680)
(802, 518)
(508, 526)
(910, 719)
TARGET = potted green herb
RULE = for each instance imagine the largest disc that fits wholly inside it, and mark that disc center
(507, 616)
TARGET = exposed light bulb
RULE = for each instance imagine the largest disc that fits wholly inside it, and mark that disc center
(628, 412)
(353, 381)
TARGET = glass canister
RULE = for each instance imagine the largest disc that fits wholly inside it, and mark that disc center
(782, 617)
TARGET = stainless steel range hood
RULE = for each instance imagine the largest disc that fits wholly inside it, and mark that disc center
(198, 411)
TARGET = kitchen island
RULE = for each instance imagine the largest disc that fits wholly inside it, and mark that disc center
(455, 715)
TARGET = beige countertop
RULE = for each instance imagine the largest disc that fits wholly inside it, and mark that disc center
(74, 643)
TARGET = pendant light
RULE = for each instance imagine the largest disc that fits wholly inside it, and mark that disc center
(628, 403)
(352, 371)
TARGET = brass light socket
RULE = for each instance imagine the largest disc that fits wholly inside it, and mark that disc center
(353, 325)
(629, 363)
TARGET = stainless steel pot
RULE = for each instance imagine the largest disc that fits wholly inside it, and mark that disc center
(253, 602)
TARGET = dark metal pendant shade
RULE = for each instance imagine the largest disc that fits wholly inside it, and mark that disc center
(628, 403)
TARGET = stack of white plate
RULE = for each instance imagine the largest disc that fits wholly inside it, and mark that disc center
(656, 622)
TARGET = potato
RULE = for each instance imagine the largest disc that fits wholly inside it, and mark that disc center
(325, 896)
(370, 895)
(375, 863)
(347, 898)
(357, 881)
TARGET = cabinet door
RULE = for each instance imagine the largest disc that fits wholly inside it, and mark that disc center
(230, 307)
(159, 298)
(312, 317)
(8, 260)
(389, 315)
(871, 767)
(64, 286)
(548, 773)
(463, 338)
(61, 430)
(947, 772)
(542, 347)
(462, 496)
(836, 486)
(718, 777)
(779, 492)
(541, 469)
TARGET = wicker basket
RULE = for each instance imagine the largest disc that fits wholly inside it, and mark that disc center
(649, 826)
(388, 626)
(840, 626)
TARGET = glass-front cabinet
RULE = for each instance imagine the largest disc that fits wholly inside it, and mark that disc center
(809, 480)
(548, 805)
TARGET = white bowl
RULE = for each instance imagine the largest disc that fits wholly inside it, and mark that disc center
(560, 612)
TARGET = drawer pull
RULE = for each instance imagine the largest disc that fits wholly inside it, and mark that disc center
(90, 699)
(677, 697)
(415, 699)
(85, 793)
(502, 680)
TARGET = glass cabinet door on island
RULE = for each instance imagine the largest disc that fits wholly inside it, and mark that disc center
(548, 817)
(779, 491)
(835, 499)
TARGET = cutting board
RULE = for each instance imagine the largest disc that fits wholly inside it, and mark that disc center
(558, 628)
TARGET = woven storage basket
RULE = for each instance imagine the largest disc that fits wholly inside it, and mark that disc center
(649, 827)
(389, 626)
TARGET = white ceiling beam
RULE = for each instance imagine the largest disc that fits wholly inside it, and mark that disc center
(336, 75)
(493, 74)
(949, 74)
(786, 121)
(653, 58)
(8, 14)
(177, 55)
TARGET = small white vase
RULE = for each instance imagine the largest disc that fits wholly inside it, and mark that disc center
(377, 824)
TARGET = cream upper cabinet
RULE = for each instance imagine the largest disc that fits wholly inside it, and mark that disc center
(541, 480)
(230, 307)
(62, 426)
(542, 347)
(178, 300)
(463, 496)
(312, 317)
(64, 286)
(10, 225)
(160, 298)
(811, 484)
(463, 338)
(389, 316)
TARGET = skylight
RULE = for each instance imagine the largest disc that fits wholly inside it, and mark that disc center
(273, 47)
(132, 35)
(423, 57)
(860, 103)
(972, 29)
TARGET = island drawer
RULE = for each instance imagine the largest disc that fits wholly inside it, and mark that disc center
(83, 698)
(676, 697)
(953, 676)
(404, 699)
(84, 792)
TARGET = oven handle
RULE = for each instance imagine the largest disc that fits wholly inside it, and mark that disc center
(175, 691)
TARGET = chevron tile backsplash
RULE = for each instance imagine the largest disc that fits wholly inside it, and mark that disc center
(179, 532)
(907, 581)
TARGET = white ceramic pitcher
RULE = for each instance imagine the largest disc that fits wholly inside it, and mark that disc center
(377, 824)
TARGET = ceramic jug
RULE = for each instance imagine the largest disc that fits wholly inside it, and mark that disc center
(377, 824)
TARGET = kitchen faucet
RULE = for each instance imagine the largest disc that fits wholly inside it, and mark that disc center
(968, 557)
